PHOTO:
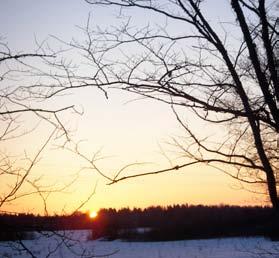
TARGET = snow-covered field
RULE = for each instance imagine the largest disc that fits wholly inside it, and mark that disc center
(71, 244)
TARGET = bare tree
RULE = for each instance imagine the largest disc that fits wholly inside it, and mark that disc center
(25, 89)
(32, 85)
(33, 89)
(224, 73)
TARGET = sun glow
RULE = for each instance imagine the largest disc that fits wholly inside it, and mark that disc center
(93, 214)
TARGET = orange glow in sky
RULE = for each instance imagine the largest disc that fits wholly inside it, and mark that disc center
(127, 132)
(93, 214)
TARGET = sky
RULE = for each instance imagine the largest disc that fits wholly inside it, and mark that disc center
(127, 131)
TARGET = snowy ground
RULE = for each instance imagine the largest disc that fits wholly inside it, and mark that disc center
(72, 244)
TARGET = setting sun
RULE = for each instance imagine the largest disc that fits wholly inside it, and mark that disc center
(93, 214)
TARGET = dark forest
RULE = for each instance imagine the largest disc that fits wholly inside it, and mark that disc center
(158, 223)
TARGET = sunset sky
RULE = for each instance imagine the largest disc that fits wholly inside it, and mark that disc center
(125, 129)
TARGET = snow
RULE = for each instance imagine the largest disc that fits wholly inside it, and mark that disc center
(71, 244)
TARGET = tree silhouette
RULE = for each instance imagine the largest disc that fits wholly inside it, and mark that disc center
(30, 82)
(224, 74)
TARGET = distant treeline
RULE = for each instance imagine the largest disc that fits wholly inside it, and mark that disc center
(183, 222)
(17, 226)
(151, 224)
